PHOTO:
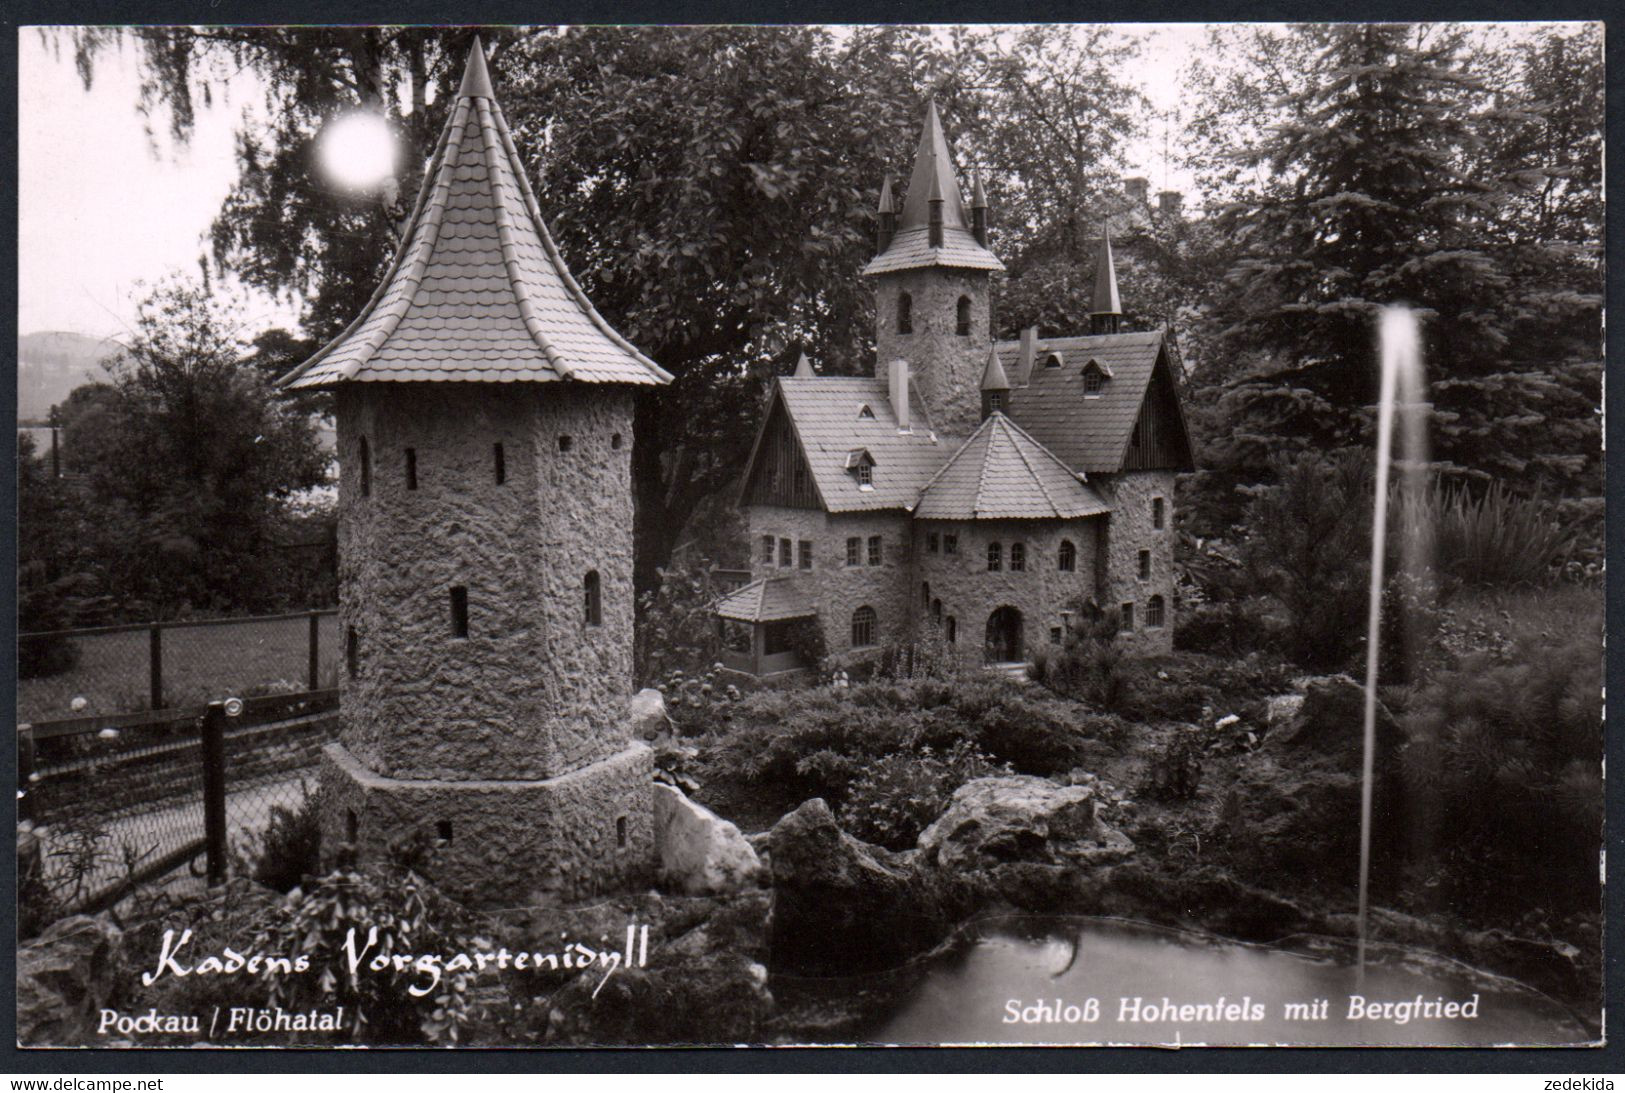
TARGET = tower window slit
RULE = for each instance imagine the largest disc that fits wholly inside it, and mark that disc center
(592, 589)
(459, 612)
(499, 463)
(352, 652)
(411, 468)
(366, 469)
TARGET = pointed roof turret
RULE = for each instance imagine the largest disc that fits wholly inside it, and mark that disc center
(476, 80)
(933, 179)
(978, 197)
(477, 291)
(888, 203)
(1106, 302)
(993, 377)
(804, 368)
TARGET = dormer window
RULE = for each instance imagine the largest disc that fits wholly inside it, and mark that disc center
(1053, 361)
(865, 413)
(861, 465)
(1095, 376)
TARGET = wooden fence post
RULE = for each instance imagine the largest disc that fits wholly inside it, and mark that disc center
(155, 649)
(315, 667)
(214, 791)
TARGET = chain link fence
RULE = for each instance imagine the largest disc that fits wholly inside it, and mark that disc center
(111, 802)
(112, 670)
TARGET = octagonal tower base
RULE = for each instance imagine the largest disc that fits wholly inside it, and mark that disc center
(502, 843)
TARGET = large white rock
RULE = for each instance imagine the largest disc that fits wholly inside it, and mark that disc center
(648, 711)
(992, 821)
(700, 853)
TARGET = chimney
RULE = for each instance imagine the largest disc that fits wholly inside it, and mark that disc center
(1169, 202)
(1029, 347)
(1138, 189)
(899, 392)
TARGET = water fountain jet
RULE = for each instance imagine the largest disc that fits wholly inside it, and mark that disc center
(1402, 389)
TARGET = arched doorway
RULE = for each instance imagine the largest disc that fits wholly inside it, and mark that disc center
(1004, 636)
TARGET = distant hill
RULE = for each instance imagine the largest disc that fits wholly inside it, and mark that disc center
(51, 363)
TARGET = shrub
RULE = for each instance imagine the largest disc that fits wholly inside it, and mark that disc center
(1088, 666)
(1502, 771)
(698, 703)
(1308, 548)
(675, 628)
(1223, 627)
(290, 848)
(410, 916)
(898, 796)
(1174, 769)
(1496, 538)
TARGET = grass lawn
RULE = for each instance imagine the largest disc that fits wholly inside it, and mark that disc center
(200, 664)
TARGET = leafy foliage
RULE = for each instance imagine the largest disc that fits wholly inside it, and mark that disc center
(290, 848)
(1174, 769)
(1496, 538)
(1307, 547)
(1503, 772)
(900, 795)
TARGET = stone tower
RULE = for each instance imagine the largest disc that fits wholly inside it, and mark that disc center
(484, 413)
(931, 286)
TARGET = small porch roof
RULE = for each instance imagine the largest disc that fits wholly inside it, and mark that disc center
(768, 599)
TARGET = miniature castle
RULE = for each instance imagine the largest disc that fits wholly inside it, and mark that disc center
(484, 414)
(982, 490)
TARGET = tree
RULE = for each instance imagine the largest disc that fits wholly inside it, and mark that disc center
(1368, 173)
(189, 457)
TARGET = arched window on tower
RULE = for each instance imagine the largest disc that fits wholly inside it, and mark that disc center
(594, 599)
(962, 317)
(995, 557)
(1066, 558)
(905, 313)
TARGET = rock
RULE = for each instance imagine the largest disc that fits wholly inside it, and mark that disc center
(1331, 718)
(1280, 709)
(64, 977)
(1020, 818)
(840, 905)
(699, 852)
(648, 712)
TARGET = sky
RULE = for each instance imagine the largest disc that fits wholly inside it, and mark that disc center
(104, 209)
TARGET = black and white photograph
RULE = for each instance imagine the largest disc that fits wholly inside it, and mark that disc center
(565, 536)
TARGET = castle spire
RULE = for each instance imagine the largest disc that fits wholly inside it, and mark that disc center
(804, 368)
(933, 179)
(978, 209)
(1107, 313)
(476, 80)
(887, 214)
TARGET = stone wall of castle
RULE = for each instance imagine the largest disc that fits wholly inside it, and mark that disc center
(945, 366)
(534, 690)
(1132, 530)
(969, 592)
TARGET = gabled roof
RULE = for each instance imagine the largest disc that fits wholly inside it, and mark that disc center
(477, 291)
(1001, 473)
(823, 413)
(770, 599)
(933, 175)
(1090, 435)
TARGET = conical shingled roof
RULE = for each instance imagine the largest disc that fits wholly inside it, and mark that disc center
(478, 291)
(1107, 301)
(1001, 473)
(933, 179)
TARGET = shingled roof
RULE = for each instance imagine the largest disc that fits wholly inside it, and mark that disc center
(1089, 434)
(770, 599)
(933, 175)
(1001, 473)
(825, 413)
(477, 292)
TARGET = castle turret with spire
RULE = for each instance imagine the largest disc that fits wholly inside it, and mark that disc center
(484, 414)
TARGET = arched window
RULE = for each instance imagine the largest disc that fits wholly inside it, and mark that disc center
(962, 317)
(594, 599)
(936, 610)
(1157, 513)
(366, 469)
(863, 627)
(1154, 611)
(499, 463)
(615, 441)
(1018, 557)
(1066, 558)
(352, 652)
(905, 313)
(459, 612)
(995, 557)
(925, 594)
(950, 629)
(411, 468)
